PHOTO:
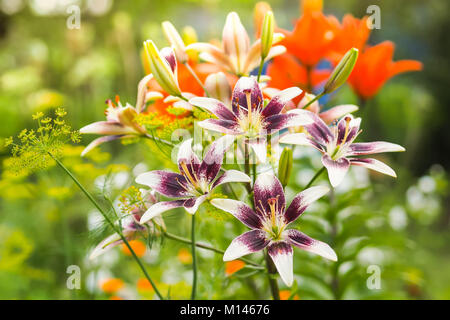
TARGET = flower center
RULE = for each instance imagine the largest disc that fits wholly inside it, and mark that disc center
(273, 223)
(251, 122)
(197, 185)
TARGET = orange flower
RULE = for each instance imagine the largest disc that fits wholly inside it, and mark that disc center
(115, 298)
(312, 37)
(138, 247)
(285, 294)
(233, 266)
(285, 72)
(144, 285)
(111, 285)
(352, 33)
(184, 256)
(375, 66)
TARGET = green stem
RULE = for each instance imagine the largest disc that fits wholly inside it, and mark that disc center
(272, 272)
(207, 247)
(167, 143)
(194, 259)
(318, 173)
(261, 66)
(312, 101)
(108, 220)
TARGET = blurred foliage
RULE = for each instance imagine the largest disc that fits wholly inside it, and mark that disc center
(46, 225)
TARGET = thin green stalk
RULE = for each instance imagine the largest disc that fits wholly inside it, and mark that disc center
(167, 143)
(108, 220)
(261, 66)
(318, 173)
(194, 259)
(207, 247)
(313, 100)
(272, 271)
(192, 72)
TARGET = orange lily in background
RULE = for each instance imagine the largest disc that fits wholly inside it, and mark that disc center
(312, 37)
(352, 33)
(375, 66)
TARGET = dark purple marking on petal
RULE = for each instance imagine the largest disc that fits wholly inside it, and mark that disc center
(363, 148)
(244, 86)
(214, 106)
(212, 161)
(223, 126)
(239, 210)
(248, 242)
(319, 130)
(167, 183)
(307, 243)
(267, 187)
(169, 55)
(276, 104)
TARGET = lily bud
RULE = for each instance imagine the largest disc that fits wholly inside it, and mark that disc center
(189, 35)
(261, 8)
(161, 69)
(175, 41)
(267, 34)
(342, 71)
(285, 166)
(216, 84)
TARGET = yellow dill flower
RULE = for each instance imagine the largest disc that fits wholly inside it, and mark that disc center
(36, 150)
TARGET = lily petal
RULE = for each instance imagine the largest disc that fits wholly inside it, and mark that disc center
(282, 256)
(337, 169)
(99, 141)
(375, 165)
(259, 147)
(278, 101)
(239, 210)
(363, 148)
(302, 201)
(231, 176)
(337, 112)
(105, 245)
(235, 40)
(214, 106)
(223, 126)
(167, 183)
(160, 207)
(107, 128)
(246, 243)
(306, 243)
(319, 130)
(192, 205)
(349, 133)
(187, 156)
(300, 139)
(212, 161)
(293, 118)
(268, 187)
(210, 53)
(244, 86)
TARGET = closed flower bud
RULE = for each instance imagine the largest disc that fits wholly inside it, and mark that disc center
(216, 84)
(267, 34)
(189, 35)
(342, 71)
(161, 69)
(285, 166)
(175, 41)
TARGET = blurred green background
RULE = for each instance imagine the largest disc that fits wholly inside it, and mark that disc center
(400, 225)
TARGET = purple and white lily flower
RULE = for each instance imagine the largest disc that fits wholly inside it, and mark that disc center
(269, 224)
(248, 117)
(196, 181)
(338, 149)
